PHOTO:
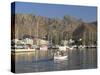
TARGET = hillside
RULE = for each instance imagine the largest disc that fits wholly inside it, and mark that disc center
(38, 26)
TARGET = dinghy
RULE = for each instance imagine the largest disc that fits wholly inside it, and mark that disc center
(60, 57)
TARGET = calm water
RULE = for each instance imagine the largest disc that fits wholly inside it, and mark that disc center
(77, 59)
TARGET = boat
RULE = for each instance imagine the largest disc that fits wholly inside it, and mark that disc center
(44, 48)
(61, 57)
(62, 48)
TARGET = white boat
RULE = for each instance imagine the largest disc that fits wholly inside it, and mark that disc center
(44, 48)
(62, 48)
(71, 48)
(60, 57)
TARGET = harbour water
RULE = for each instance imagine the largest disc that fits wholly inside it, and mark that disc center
(85, 58)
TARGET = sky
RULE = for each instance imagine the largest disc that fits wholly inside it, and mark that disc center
(87, 13)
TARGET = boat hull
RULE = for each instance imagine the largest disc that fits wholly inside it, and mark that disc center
(61, 58)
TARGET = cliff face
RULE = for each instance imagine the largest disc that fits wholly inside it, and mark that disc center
(38, 26)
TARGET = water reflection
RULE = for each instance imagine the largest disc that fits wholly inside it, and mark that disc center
(77, 59)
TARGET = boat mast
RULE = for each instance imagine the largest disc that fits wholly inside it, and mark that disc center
(17, 33)
(37, 30)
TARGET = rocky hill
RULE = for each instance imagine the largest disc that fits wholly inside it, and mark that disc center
(38, 26)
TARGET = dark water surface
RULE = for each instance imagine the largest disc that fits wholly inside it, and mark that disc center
(77, 59)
